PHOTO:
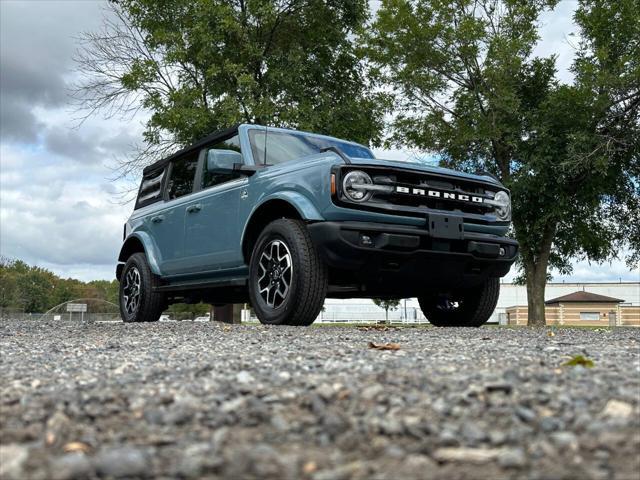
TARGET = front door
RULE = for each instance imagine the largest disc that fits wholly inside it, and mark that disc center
(212, 232)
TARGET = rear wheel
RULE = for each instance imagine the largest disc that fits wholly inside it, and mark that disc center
(470, 307)
(138, 300)
(287, 279)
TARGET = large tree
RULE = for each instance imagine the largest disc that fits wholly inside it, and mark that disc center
(607, 71)
(468, 86)
(200, 65)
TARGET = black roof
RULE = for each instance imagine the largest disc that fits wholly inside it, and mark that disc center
(212, 138)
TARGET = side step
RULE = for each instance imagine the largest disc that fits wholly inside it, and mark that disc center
(202, 285)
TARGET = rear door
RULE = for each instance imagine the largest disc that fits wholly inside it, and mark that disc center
(212, 232)
(167, 225)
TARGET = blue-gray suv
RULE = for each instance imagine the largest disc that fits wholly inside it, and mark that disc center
(282, 219)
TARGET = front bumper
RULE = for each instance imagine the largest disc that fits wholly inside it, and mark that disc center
(386, 253)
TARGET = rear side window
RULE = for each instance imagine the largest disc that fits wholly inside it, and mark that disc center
(183, 171)
(150, 188)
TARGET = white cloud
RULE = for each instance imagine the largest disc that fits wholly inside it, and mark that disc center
(57, 199)
(558, 36)
(615, 270)
(53, 211)
(584, 271)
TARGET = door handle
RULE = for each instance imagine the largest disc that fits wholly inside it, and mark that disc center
(157, 218)
(194, 208)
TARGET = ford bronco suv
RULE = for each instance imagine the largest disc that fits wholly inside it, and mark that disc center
(283, 219)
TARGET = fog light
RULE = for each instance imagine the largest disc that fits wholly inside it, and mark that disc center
(366, 240)
(502, 251)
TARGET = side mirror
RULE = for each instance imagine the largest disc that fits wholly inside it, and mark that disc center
(222, 161)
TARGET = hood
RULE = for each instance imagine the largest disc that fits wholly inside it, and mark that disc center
(423, 168)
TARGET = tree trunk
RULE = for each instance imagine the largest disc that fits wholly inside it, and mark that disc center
(230, 313)
(536, 285)
(535, 267)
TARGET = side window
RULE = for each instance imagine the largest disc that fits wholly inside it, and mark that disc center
(183, 171)
(210, 179)
(150, 188)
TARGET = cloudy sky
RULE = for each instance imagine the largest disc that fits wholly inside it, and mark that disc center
(58, 202)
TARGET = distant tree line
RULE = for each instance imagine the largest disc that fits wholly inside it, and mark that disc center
(33, 289)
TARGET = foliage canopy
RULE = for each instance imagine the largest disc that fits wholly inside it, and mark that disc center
(201, 65)
(468, 86)
(34, 289)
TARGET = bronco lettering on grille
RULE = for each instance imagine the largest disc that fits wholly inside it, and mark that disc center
(439, 194)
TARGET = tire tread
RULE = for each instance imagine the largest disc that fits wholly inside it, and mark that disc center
(485, 301)
(152, 302)
(312, 289)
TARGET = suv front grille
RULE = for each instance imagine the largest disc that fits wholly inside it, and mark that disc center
(433, 193)
(417, 191)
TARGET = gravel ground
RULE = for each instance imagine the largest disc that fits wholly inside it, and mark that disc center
(194, 400)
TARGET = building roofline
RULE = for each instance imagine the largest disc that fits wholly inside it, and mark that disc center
(582, 296)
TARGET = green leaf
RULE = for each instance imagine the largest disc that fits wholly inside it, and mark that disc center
(579, 360)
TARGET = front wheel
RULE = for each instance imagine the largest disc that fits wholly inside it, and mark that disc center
(470, 307)
(138, 300)
(287, 278)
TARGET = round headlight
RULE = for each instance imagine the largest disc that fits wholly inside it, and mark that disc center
(354, 186)
(503, 205)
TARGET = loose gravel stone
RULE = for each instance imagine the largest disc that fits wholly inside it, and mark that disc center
(12, 460)
(525, 414)
(466, 455)
(512, 458)
(71, 466)
(244, 377)
(617, 409)
(203, 400)
(565, 440)
(122, 462)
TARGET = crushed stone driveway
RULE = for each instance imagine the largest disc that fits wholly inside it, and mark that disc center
(206, 400)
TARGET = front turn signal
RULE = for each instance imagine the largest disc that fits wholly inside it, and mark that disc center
(333, 184)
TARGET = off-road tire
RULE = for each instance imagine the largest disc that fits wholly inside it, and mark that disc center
(308, 284)
(151, 303)
(476, 306)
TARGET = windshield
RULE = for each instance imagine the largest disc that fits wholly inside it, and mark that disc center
(284, 146)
